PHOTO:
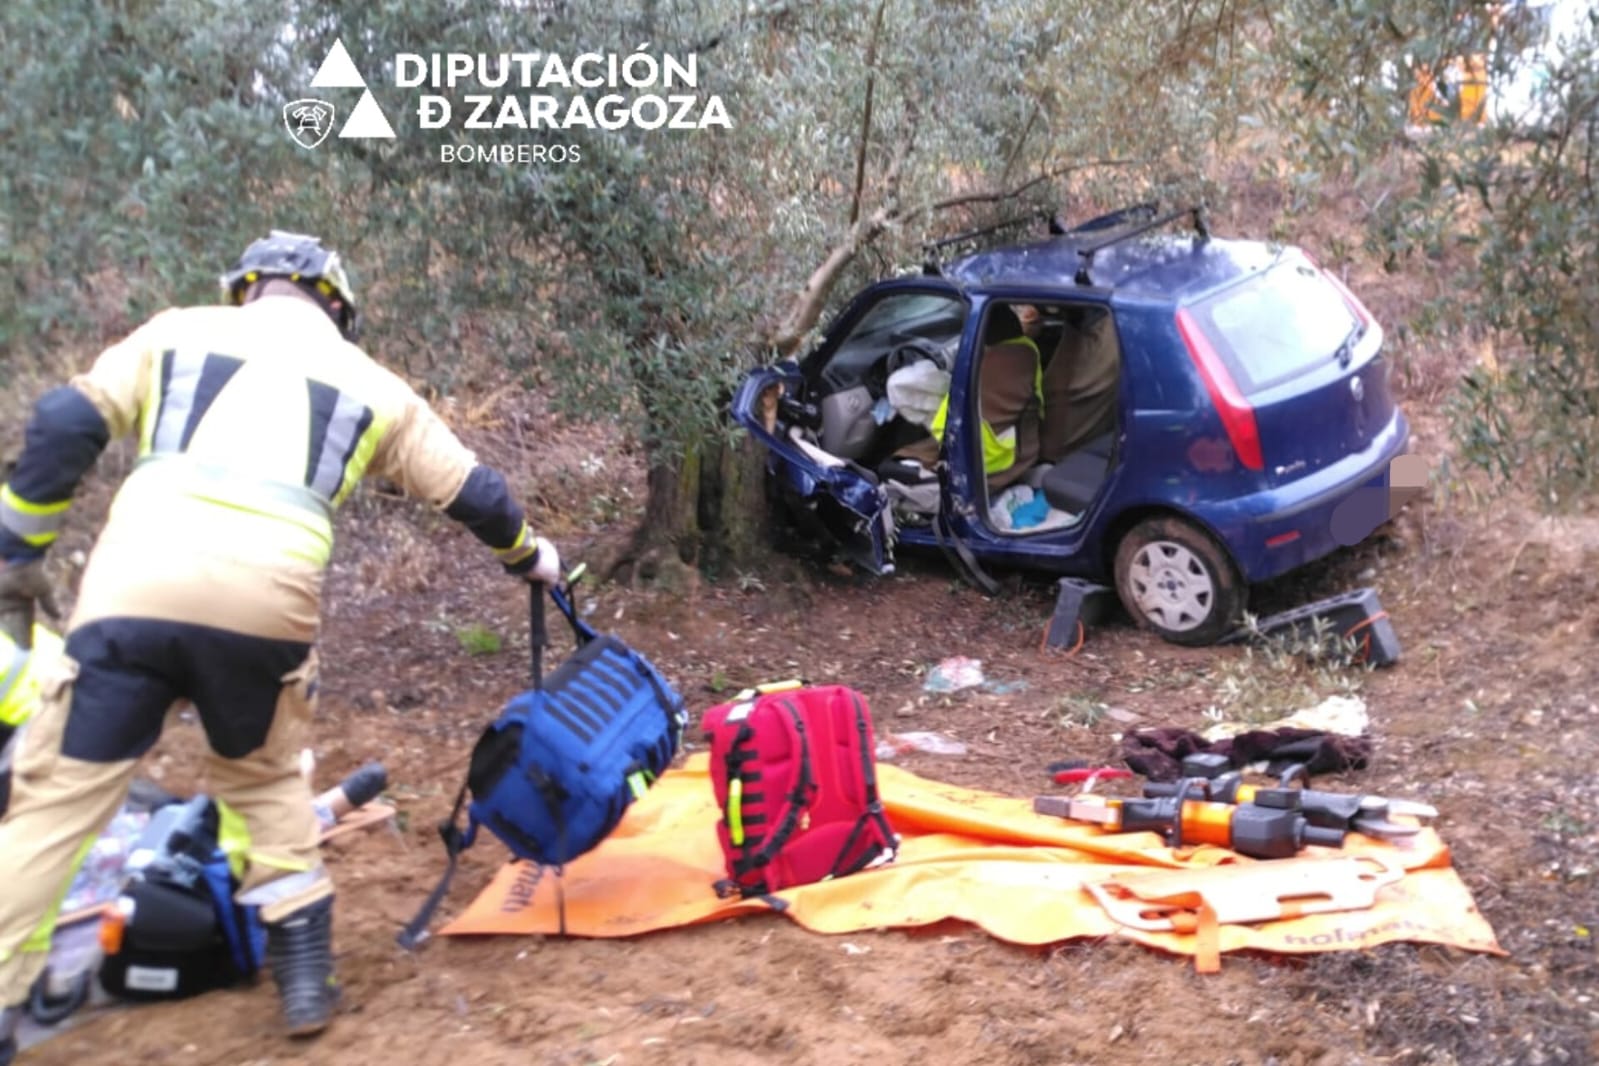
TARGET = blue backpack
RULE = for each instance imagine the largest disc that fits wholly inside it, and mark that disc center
(552, 776)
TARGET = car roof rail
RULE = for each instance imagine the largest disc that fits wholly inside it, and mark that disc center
(1120, 217)
(932, 257)
(1126, 224)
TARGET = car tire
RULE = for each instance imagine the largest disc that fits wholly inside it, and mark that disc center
(1174, 579)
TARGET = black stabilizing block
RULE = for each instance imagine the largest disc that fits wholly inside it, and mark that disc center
(1357, 614)
(1078, 601)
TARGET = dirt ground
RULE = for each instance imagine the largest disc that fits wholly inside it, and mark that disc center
(1490, 716)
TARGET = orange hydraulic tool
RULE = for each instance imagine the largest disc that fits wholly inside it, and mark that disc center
(1206, 777)
(1271, 827)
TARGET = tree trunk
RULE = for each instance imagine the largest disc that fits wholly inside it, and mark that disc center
(731, 514)
(706, 514)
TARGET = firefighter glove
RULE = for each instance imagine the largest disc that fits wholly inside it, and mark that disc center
(23, 584)
(546, 568)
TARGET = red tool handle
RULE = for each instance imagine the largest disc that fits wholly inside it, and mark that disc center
(1078, 774)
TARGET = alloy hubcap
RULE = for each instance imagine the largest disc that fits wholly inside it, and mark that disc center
(1171, 586)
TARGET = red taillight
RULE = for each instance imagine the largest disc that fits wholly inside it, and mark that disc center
(1237, 416)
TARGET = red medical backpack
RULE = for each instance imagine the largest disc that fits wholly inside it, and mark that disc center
(794, 774)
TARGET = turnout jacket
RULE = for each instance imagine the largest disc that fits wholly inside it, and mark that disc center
(254, 424)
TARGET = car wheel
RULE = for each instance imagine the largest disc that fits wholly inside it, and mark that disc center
(1176, 580)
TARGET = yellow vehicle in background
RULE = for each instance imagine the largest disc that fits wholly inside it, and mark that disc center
(1515, 50)
(1457, 93)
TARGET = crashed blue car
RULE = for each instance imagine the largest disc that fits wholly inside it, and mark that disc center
(1174, 413)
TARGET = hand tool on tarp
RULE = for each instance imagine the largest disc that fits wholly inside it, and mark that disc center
(1208, 777)
(1186, 816)
(1079, 772)
(1257, 829)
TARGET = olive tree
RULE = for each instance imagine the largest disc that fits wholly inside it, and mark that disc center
(146, 142)
(1508, 194)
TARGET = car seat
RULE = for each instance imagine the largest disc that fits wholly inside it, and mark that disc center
(1080, 385)
(1071, 484)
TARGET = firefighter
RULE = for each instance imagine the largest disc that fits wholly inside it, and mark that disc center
(254, 422)
(20, 669)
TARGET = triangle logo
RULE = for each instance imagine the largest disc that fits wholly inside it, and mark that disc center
(338, 72)
(367, 121)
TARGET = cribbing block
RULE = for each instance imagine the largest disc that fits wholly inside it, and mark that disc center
(1356, 614)
(1078, 601)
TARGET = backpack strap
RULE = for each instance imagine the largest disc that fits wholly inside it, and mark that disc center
(796, 801)
(874, 805)
(551, 790)
(238, 923)
(580, 629)
(455, 841)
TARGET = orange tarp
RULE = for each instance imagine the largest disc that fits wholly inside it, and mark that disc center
(966, 855)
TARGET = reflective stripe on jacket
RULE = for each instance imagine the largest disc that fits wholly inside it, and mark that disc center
(266, 413)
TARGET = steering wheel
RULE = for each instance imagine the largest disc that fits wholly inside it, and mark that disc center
(916, 351)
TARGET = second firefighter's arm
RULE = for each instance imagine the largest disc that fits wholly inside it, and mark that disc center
(70, 427)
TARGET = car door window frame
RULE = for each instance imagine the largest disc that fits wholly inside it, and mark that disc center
(820, 359)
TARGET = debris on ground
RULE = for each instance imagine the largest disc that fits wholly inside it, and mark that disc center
(1344, 715)
(954, 674)
(1157, 753)
(892, 745)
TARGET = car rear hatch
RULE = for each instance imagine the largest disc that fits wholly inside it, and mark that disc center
(1308, 379)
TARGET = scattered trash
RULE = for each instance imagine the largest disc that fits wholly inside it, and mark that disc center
(1016, 509)
(954, 674)
(895, 744)
(1156, 753)
(1342, 715)
(855, 949)
(1004, 688)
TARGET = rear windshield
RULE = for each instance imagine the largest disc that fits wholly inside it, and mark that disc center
(1278, 325)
